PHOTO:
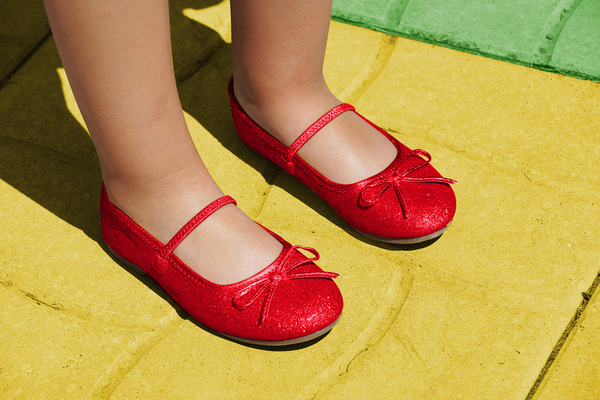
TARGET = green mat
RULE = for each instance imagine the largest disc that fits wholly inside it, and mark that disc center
(561, 36)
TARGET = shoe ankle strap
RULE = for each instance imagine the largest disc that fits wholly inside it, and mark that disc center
(193, 223)
(310, 132)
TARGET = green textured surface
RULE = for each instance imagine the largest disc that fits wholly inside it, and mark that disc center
(556, 35)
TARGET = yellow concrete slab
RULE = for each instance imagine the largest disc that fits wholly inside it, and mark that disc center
(576, 372)
(475, 314)
(492, 296)
(50, 352)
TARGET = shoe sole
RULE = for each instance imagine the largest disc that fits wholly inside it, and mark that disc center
(288, 342)
(120, 260)
(138, 271)
(415, 240)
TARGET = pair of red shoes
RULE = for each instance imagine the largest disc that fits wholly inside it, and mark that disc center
(292, 300)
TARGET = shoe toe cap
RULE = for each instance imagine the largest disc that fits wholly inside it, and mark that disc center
(305, 306)
(425, 209)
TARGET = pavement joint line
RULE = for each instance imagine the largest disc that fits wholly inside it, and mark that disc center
(552, 29)
(203, 59)
(125, 362)
(39, 44)
(367, 341)
(395, 11)
(371, 70)
(562, 344)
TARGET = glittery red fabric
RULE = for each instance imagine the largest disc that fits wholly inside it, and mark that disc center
(289, 299)
(409, 199)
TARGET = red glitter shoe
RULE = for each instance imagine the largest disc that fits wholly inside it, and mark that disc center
(291, 301)
(408, 202)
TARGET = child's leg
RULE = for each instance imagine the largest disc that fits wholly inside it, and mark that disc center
(117, 56)
(278, 52)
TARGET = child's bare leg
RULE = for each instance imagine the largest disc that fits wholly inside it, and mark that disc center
(278, 52)
(117, 56)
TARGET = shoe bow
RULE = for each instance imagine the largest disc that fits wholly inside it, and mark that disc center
(249, 294)
(372, 192)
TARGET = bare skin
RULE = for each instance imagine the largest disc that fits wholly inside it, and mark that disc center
(278, 53)
(117, 56)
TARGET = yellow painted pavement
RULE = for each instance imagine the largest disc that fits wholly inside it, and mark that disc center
(475, 315)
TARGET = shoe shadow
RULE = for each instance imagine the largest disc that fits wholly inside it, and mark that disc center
(44, 152)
